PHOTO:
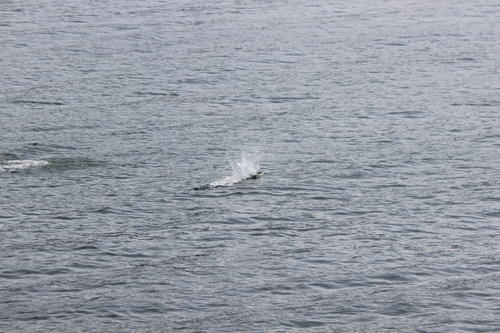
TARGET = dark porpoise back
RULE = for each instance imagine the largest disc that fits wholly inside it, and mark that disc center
(257, 175)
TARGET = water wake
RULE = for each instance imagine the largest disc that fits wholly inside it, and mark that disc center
(246, 168)
(17, 165)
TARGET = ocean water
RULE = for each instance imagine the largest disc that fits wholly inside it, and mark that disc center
(250, 166)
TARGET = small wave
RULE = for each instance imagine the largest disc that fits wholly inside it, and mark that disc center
(246, 168)
(16, 165)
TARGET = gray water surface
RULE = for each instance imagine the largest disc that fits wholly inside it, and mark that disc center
(378, 129)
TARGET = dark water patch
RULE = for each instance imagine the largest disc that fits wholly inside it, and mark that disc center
(58, 164)
(491, 199)
(289, 99)
(22, 273)
(396, 44)
(391, 278)
(304, 323)
(482, 104)
(40, 103)
(324, 161)
(8, 157)
(49, 129)
(408, 114)
(150, 93)
(86, 247)
(492, 213)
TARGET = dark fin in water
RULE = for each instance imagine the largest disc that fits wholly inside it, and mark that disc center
(204, 187)
(210, 186)
(257, 175)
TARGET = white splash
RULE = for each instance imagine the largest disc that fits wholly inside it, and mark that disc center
(247, 167)
(16, 165)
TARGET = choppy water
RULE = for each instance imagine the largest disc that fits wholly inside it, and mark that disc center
(378, 128)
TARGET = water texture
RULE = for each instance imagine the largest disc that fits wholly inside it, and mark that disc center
(127, 206)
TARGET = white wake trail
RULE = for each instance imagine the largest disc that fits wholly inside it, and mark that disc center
(15, 165)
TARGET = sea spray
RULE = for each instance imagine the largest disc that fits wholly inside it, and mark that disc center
(245, 168)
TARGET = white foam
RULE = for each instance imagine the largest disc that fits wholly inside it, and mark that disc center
(247, 167)
(15, 165)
